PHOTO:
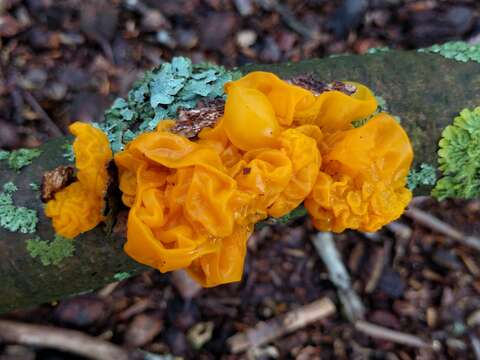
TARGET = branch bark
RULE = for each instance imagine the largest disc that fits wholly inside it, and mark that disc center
(425, 90)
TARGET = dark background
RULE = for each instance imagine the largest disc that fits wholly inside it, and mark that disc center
(62, 61)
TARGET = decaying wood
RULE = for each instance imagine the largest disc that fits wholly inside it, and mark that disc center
(70, 341)
(265, 332)
(408, 82)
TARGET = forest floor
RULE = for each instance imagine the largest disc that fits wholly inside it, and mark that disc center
(62, 61)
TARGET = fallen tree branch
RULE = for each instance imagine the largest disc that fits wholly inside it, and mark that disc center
(265, 332)
(70, 341)
(407, 81)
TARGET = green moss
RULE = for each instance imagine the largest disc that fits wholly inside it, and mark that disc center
(121, 276)
(160, 94)
(459, 157)
(426, 175)
(51, 252)
(34, 186)
(18, 159)
(456, 50)
(15, 218)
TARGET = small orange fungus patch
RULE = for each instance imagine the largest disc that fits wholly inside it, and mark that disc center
(78, 207)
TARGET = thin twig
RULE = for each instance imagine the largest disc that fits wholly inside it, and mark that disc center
(325, 247)
(400, 230)
(402, 233)
(108, 289)
(265, 332)
(476, 346)
(61, 339)
(398, 337)
(52, 128)
(376, 270)
(441, 227)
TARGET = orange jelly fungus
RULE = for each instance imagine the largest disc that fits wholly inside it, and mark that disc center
(362, 182)
(78, 207)
(194, 203)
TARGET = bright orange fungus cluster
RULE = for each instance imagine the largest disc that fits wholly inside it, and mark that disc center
(79, 206)
(193, 204)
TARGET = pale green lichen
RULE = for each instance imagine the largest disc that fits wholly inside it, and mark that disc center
(377, 50)
(284, 220)
(68, 152)
(160, 94)
(51, 252)
(382, 107)
(15, 218)
(18, 159)
(459, 157)
(121, 276)
(456, 50)
(34, 186)
(4, 155)
(425, 175)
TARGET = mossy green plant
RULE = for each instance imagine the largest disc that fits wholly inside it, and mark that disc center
(51, 252)
(20, 158)
(456, 50)
(425, 175)
(459, 158)
(160, 94)
(15, 218)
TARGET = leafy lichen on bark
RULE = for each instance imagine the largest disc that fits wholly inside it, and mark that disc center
(459, 157)
(160, 94)
(456, 50)
(425, 175)
(15, 218)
